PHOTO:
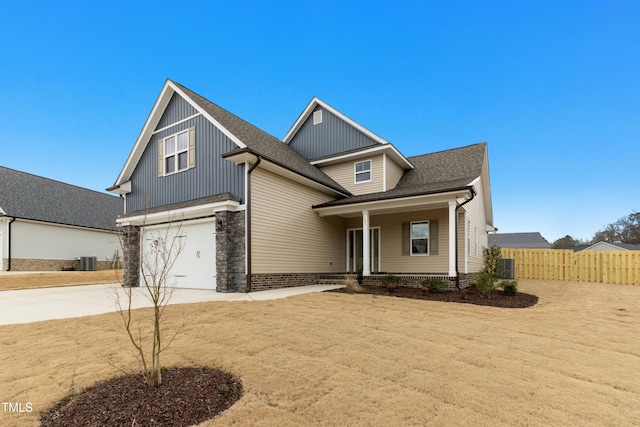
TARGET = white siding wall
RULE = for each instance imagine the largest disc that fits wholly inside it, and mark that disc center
(477, 230)
(344, 174)
(287, 236)
(34, 240)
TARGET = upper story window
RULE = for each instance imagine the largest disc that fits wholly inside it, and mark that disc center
(176, 152)
(363, 171)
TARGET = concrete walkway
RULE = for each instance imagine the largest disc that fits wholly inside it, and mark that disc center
(34, 305)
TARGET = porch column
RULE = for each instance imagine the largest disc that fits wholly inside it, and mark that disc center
(366, 245)
(452, 238)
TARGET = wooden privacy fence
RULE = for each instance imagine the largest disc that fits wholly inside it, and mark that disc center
(621, 267)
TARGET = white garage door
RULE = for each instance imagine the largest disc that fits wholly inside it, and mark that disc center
(195, 265)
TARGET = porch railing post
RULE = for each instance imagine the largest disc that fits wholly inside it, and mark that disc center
(366, 245)
(452, 237)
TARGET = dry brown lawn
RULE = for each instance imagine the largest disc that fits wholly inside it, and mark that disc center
(63, 278)
(360, 360)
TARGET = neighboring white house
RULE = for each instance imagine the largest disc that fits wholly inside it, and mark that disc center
(48, 225)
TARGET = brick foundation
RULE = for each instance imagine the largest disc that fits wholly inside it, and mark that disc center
(262, 282)
(415, 280)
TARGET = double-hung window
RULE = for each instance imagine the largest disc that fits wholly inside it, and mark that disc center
(420, 238)
(363, 171)
(176, 153)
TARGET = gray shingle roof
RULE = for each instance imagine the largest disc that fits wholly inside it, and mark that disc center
(439, 172)
(27, 196)
(262, 143)
(519, 240)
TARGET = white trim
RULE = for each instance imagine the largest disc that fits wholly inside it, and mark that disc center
(428, 237)
(355, 171)
(217, 124)
(452, 237)
(153, 119)
(177, 123)
(182, 214)
(403, 203)
(2, 212)
(384, 171)
(364, 153)
(162, 226)
(348, 252)
(366, 244)
(175, 154)
(309, 109)
(55, 224)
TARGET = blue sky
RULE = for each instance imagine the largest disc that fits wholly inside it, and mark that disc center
(553, 87)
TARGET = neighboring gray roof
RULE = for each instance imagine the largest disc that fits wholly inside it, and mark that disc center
(440, 172)
(519, 240)
(27, 196)
(625, 246)
(262, 143)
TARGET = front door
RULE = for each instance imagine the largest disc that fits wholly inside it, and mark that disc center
(355, 250)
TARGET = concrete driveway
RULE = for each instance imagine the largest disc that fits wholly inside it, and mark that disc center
(33, 305)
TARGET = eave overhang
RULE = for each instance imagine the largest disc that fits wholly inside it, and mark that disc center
(182, 214)
(247, 155)
(391, 151)
(410, 202)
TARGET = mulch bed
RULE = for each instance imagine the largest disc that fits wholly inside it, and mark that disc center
(187, 396)
(469, 296)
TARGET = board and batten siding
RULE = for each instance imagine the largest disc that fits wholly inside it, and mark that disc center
(212, 174)
(394, 173)
(344, 174)
(332, 136)
(287, 235)
(475, 226)
(392, 258)
(177, 109)
(36, 240)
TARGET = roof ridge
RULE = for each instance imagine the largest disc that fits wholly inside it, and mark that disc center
(449, 149)
(224, 109)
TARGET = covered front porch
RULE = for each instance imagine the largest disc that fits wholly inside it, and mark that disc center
(417, 236)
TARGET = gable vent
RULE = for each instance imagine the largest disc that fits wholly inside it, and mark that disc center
(317, 117)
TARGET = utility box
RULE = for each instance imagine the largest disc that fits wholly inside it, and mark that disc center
(507, 268)
(88, 263)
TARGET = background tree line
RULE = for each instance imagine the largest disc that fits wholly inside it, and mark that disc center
(624, 230)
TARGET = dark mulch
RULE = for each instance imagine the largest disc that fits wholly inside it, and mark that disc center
(186, 396)
(468, 296)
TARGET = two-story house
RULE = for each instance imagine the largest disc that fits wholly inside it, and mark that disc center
(332, 197)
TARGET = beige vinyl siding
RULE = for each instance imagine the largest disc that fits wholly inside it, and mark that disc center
(475, 214)
(391, 257)
(344, 174)
(287, 236)
(394, 173)
(39, 240)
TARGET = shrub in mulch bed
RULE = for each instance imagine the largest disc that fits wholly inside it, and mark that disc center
(469, 295)
(187, 396)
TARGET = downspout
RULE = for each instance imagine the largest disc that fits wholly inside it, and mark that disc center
(473, 194)
(248, 213)
(9, 245)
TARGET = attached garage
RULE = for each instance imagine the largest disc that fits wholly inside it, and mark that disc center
(194, 242)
